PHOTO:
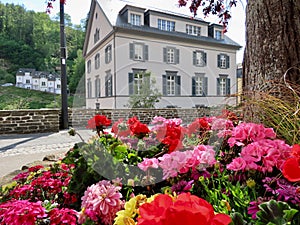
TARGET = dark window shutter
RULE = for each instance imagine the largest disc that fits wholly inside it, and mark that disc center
(218, 86)
(106, 55)
(131, 50)
(193, 86)
(177, 85)
(130, 83)
(228, 86)
(164, 83)
(96, 87)
(177, 56)
(165, 54)
(205, 86)
(204, 58)
(194, 58)
(146, 54)
(219, 61)
(106, 87)
(227, 61)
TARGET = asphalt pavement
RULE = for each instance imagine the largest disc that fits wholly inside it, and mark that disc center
(17, 150)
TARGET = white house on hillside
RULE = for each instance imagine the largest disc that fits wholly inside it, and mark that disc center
(192, 61)
(38, 80)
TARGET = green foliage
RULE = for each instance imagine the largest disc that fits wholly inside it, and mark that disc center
(19, 98)
(32, 40)
(146, 96)
(275, 213)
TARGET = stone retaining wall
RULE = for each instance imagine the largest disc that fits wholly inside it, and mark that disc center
(28, 121)
(47, 120)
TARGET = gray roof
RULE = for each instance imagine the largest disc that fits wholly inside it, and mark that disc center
(22, 71)
(112, 9)
(38, 74)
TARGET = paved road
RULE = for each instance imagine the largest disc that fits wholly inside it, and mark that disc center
(19, 150)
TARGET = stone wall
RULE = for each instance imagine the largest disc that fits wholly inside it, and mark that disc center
(44, 120)
(28, 121)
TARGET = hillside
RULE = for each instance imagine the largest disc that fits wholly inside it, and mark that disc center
(19, 98)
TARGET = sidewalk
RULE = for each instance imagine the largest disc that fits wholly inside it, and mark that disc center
(19, 150)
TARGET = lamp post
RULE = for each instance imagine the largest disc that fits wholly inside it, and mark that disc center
(63, 66)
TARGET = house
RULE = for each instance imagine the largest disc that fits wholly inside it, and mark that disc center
(38, 80)
(192, 61)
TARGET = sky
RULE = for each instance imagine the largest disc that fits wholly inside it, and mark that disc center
(78, 10)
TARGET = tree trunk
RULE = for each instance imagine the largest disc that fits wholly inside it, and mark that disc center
(272, 47)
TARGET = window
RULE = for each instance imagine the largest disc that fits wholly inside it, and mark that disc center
(27, 81)
(193, 30)
(43, 84)
(199, 58)
(223, 61)
(97, 61)
(171, 55)
(218, 34)
(138, 51)
(89, 88)
(137, 81)
(96, 35)
(223, 85)
(108, 55)
(108, 84)
(171, 84)
(58, 86)
(97, 87)
(89, 65)
(199, 85)
(166, 25)
(135, 19)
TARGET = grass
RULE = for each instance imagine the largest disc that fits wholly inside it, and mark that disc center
(19, 98)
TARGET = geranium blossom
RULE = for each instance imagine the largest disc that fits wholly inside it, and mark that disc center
(101, 201)
(63, 216)
(21, 212)
(246, 133)
(291, 167)
(148, 163)
(261, 155)
(183, 209)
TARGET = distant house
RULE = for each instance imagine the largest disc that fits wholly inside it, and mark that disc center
(192, 61)
(38, 80)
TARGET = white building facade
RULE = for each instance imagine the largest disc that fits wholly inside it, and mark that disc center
(38, 80)
(192, 61)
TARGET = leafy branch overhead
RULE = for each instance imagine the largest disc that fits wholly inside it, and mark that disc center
(214, 7)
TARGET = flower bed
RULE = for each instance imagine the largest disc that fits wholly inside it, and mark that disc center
(216, 170)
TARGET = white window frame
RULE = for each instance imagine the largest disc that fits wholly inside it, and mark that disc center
(218, 34)
(170, 55)
(193, 30)
(199, 82)
(200, 58)
(97, 61)
(222, 85)
(138, 51)
(135, 19)
(137, 82)
(166, 25)
(223, 62)
(171, 85)
(108, 54)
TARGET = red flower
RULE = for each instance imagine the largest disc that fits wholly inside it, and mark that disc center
(185, 209)
(98, 122)
(120, 128)
(171, 136)
(199, 125)
(291, 167)
(137, 128)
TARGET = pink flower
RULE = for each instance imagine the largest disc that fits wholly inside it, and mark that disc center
(101, 201)
(237, 164)
(246, 133)
(63, 216)
(21, 212)
(148, 163)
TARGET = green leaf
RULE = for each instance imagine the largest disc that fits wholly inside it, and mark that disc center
(274, 213)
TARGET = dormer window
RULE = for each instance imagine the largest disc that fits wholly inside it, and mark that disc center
(218, 34)
(166, 25)
(193, 30)
(135, 19)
